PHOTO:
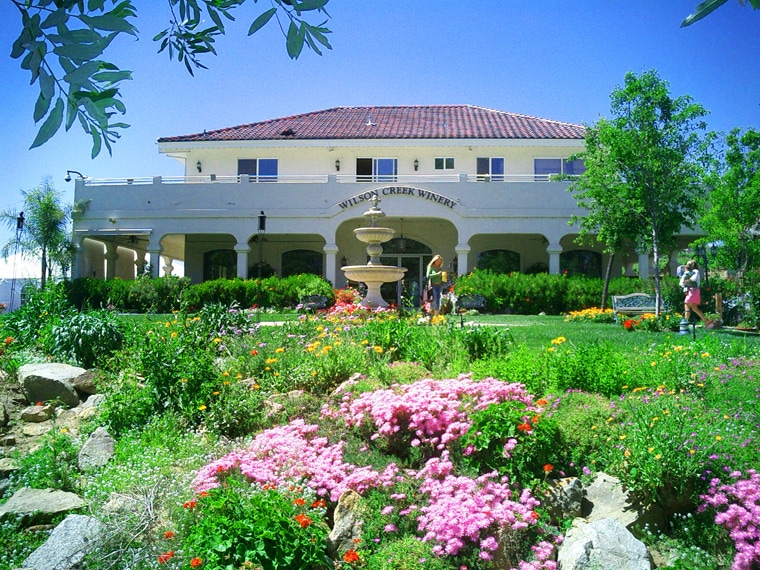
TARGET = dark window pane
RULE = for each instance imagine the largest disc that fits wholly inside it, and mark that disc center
(363, 169)
(439, 164)
(247, 166)
(574, 167)
(449, 164)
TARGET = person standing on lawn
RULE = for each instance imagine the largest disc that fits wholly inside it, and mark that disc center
(435, 276)
(690, 281)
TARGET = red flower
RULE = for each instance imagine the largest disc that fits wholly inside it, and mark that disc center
(195, 562)
(303, 520)
(525, 427)
(534, 515)
(548, 468)
(320, 503)
(165, 557)
(204, 494)
(189, 504)
(254, 352)
(628, 324)
(169, 534)
(351, 556)
(300, 502)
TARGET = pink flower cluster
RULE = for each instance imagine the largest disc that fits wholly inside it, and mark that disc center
(292, 453)
(738, 506)
(462, 509)
(434, 412)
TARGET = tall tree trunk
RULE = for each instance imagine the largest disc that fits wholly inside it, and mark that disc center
(607, 277)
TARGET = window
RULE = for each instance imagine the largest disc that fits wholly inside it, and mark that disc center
(219, 264)
(581, 262)
(261, 169)
(491, 169)
(376, 169)
(300, 261)
(499, 261)
(444, 163)
(543, 168)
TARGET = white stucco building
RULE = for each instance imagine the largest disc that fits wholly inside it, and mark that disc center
(470, 183)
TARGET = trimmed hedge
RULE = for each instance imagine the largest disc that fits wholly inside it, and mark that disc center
(517, 293)
(167, 294)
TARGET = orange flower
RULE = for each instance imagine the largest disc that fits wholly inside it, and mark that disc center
(9, 339)
(548, 468)
(300, 502)
(195, 562)
(351, 556)
(189, 504)
(535, 419)
(320, 503)
(204, 494)
(541, 402)
(254, 352)
(525, 427)
(303, 520)
(165, 557)
(169, 534)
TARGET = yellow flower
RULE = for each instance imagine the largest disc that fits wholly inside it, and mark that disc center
(279, 349)
(627, 453)
(651, 450)
(239, 376)
(364, 341)
(184, 380)
(623, 436)
(692, 451)
(653, 363)
(705, 354)
(174, 334)
(718, 438)
(225, 373)
(558, 340)
(378, 349)
(271, 360)
(550, 349)
(202, 407)
(217, 340)
(658, 456)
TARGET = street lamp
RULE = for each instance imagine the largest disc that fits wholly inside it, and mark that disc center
(262, 231)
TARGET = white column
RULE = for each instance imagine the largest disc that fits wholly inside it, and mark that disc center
(462, 250)
(331, 270)
(554, 249)
(242, 249)
(643, 265)
(154, 251)
(111, 257)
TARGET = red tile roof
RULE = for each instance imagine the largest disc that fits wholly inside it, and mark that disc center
(403, 122)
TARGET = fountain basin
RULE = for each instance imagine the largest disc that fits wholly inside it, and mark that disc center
(373, 276)
(374, 235)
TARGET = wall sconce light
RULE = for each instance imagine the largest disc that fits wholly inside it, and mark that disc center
(337, 164)
(67, 178)
(416, 164)
(199, 166)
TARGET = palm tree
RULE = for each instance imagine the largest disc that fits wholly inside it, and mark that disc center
(45, 234)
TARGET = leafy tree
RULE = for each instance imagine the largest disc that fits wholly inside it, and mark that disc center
(708, 6)
(732, 208)
(645, 170)
(45, 234)
(62, 43)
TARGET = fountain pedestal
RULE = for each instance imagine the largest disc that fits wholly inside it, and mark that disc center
(374, 274)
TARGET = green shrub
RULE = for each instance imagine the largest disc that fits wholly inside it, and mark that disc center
(536, 438)
(240, 523)
(31, 324)
(235, 410)
(86, 338)
(596, 367)
(52, 465)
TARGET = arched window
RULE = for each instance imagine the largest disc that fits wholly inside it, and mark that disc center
(499, 261)
(219, 264)
(301, 261)
(581, 262)
(402, 245)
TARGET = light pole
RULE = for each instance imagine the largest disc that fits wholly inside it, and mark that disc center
(19, 229)
(262, 231)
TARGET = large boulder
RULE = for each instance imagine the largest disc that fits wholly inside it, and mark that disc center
(48, 382)
(97, 450)
(347, 527)
(606, 498)
(605, 543)
(68, 544)
(40, 504)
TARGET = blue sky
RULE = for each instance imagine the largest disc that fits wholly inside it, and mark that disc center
(548, 58)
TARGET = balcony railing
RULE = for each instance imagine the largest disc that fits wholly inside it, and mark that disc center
(319, 179)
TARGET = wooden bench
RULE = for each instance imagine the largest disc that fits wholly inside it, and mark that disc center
(314, 302)
(634, 304)
(469, 302)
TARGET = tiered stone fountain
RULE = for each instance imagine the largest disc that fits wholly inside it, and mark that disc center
(373, 275)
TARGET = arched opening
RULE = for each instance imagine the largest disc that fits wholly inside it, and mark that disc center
(219, 264)
(581, 262)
